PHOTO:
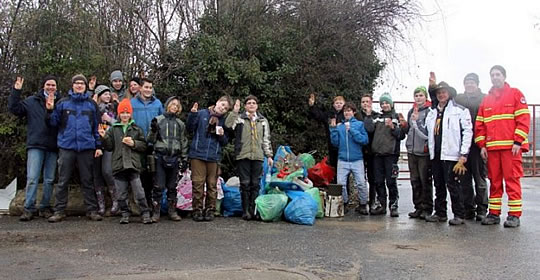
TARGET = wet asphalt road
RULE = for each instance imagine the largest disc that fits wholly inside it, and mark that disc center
(370, 247)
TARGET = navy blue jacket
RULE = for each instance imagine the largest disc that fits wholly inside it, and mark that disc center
(39, 135)
(205, 145)
(349, 143)
(76, 117)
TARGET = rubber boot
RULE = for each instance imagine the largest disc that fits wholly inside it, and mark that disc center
(173, 215)
(100, 200)
(114, 207)
(245, 205)
(252, 206)
(156, 211)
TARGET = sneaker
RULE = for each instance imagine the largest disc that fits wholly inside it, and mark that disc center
(491, 219)
(424, 214)
(480, 217)
(415, 214)
(209, 215)
(146, 218)
(94, 216)
(124, 220)
(45, 213)
(378, 211)
(394, 212)
(197, 216)
(456, 221)
(26, 216)
(436, 218)
(511, 221)
(57, 217)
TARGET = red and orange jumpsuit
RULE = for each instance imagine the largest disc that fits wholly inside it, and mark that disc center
(503, 120)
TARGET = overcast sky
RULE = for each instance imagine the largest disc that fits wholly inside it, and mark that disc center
(456, 37)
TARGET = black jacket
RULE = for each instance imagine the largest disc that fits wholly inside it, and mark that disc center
(39, 134)
(324, 117)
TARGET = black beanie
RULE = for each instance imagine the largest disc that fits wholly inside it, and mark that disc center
(472, 77)
(47, 78)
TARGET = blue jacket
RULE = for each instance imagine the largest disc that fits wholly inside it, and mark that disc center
(76, 117)
(349, 143)
(205, 145)
(144, 112)
(39, 135)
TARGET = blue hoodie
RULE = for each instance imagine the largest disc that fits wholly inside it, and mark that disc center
(205, 145)
(349, 143)
(76, 117)
(144, 112)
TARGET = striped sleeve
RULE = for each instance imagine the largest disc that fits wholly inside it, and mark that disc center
(521, 117)
(480, 127)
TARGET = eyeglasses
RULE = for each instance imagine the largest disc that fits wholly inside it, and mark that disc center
(79, 83)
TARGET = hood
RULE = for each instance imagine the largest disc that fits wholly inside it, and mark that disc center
(78, 97)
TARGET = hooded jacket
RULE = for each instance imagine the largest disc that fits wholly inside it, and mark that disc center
(417, 134)
(76, 117)
(385, 139)
(205, 145)
(168, 134)
(39, 134)
(125, 157)
(246, 146)
(145, 111)
(349, 143)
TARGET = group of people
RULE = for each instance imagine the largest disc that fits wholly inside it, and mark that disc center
(123, 136)
(451, 141)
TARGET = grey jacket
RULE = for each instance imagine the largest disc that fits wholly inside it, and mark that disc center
(417, 134)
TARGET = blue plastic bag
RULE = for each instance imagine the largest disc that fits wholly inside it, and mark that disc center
(302, 209)
(232, 201)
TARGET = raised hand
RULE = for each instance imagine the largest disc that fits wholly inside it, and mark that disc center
(195, 107)
(128, 141)
(432, 79)
(49, 103)
(101, 130)
(114, 97)
(414, 115)
(18, 83)
(311, 99)
(333, 122)
(236, 107)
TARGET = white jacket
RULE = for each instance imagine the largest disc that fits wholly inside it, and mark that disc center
(456, 131)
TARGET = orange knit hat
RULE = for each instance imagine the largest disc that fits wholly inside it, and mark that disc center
(125, 106)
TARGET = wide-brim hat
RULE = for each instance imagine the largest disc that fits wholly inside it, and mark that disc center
(445, 85)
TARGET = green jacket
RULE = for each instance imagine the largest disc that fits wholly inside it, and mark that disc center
(168, 135)
(125, 157)
(246, 146)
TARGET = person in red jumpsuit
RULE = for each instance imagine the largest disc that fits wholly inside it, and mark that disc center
(501, 131)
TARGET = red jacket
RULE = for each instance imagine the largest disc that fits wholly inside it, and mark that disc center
(503, 120)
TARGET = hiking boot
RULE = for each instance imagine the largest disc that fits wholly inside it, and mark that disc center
(125, 219)
(197, 215)
(156, 212)
(511, 221)
(480, 217)
(394, 212)
(94, 216)
(436, 218)
(470, 215)
(57, 217)
(45, 213)
(209, 215)
(26, 216)
(424, 214)
(100, 201)
(146, 218)
(491, 219)
(362, 209)
(415, 214)
(378, 211)
(173, 215)
(456, 221)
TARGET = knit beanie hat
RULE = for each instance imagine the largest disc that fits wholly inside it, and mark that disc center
(125, 106)
(472, 77)
(116, 75)
(386, 97)
(135, 79)
(101, 89)
(79, 77)
(48, 78)
(421, 89)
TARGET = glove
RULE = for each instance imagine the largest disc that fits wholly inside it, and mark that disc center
(154, 127)
(184, 165)
(459, 168)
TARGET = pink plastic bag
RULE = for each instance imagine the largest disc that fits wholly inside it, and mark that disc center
(184, 192)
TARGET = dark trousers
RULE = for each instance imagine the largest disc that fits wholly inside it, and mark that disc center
(475, 199)
(204, 172)
(165, 178)
(249, 172)
(370, 173)
(422, 188)
(147, 181)
(383, 179)
(122, 181)
(444, 178)
(67, 159)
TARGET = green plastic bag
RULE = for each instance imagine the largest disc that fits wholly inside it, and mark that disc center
(314, 193)
(270, 206)
(307, 159)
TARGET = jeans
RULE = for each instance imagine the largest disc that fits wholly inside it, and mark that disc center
(38, 160)
(122, 181)
(344, 168)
